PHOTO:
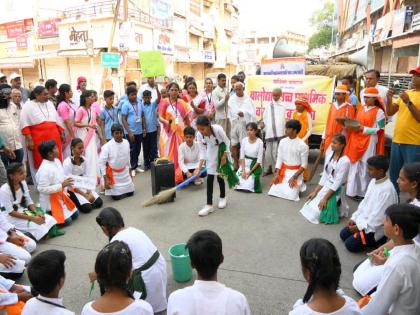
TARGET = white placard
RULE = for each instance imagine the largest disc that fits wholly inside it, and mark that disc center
(84, 182)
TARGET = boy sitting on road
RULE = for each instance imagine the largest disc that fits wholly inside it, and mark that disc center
(189, 155)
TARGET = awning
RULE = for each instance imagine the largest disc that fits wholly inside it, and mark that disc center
(13, 63)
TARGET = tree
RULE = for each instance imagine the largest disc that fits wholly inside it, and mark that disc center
(322, 20)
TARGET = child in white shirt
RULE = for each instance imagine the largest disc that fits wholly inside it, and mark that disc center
(189, 155)
(292, 160)
(321, 268)
(113, 269)
(399, 289)
(207, 295)
(47, 275)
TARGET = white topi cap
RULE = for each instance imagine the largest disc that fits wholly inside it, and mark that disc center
(14, 75)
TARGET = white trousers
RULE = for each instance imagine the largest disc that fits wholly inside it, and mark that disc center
(22, 254)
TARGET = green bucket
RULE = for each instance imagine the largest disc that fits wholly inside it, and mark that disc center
(181, 264)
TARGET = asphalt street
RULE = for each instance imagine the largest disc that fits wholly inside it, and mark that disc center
(261, 237)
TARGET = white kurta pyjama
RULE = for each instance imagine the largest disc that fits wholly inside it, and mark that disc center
(138, 307)
(188, 157)
(367, 276)
(209, 147)
(7, 298)
(37, 307)
(349, 308)
(333, 177)
(370, 214)
(358, 179)
(398, 291)
(273, 131)
(254, 150)
(7, 201)
(154, 278)
(236, 105)
(78, 170)
(50, 177)
(207, 298)
(292, 152)
(118, 157)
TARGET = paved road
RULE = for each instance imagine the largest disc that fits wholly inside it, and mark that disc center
(261, 240)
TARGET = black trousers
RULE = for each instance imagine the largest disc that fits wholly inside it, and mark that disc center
(210, 181)
(135, 148)
(150, 148)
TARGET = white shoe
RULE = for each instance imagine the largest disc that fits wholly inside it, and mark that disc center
(198, 182)
(206, 210)
(222, 203)
(139, 170)
(133, 173)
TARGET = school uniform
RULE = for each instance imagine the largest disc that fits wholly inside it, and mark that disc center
(150, 141)
(350, 307)
(274, 119)
(370, 216)
(292, 154)
(43, 305)
(110, 116)
(52, 196)
(133, 114)
(80, 201)
(148, 264)
(207, 297)
(22, 254)
(367, 275)
(114, 162)
(188, 157)
(138, 307)
(209, 149)
(333, 178)
(251, 153)
(15, 204)
(399, 289)
(6, 297)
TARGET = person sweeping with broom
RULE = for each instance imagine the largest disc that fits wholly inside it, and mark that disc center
(214, 153)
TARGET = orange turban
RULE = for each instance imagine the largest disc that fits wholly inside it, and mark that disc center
(304, 102)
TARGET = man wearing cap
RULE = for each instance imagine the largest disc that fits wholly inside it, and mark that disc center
(340, 109)
(3, 78)
(80, 88)
(16, 83)
(372, 77)
(405, 146)
(9, 127)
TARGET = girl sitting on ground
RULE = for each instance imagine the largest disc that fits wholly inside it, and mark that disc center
(18, 204)
(321, 268)
(85, 200)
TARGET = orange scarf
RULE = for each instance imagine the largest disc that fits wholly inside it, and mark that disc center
(14, 309)
(358, 142)
(109, 173)
(56, 207)
(303, 118)
(282, 172)
(333, 127)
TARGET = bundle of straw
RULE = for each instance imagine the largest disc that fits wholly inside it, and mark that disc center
(165, 195)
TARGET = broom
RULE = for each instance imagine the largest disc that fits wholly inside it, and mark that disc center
(165, 195)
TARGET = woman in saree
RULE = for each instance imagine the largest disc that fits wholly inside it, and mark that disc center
(196, 101)
(85, 123)
(67, 112)
(174, 117)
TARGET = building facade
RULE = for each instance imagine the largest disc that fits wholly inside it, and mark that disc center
(393, 29)
(65, 40)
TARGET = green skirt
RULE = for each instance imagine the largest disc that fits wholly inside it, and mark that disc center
(330, 215)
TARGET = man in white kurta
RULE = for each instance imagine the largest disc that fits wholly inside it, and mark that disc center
(370, 214)
(398, 291)
(292, 155)
(241, 112)
(116, 156)
(274, 121)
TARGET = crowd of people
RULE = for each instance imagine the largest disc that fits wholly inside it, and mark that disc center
(71, 143)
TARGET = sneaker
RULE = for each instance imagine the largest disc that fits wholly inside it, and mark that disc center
(139, 170)
(206, 210)
(222, 203)
(133, 173)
